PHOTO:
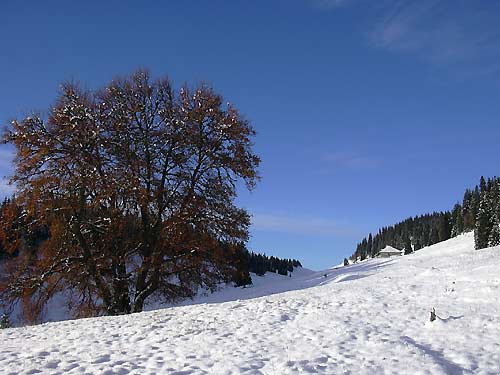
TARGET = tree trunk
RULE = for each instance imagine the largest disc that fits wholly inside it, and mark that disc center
(121, 296)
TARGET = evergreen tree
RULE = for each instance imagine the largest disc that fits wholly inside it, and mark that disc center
(483, 225)
(242, 278)
(494, 237)
(444, 227)
(5, 321)
(417, 245)
(482, 185)
(434, 236)
(369, 246)
(241, 275)
(457, 220)
(407, 245)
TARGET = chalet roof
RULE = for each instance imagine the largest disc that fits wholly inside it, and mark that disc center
(391, 250)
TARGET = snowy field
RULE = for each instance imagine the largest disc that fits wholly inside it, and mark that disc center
(369, 318)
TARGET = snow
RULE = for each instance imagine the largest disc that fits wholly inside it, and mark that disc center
(270, 283)
(368, 318)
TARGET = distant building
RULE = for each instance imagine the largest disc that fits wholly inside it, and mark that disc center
(389, 251)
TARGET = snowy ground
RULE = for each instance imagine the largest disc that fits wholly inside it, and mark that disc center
(369, 318)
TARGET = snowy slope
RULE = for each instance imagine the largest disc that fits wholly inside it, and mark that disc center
(270, 283)
(368, 318)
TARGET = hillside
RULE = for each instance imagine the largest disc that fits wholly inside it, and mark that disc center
(479, 211)
(368, 318)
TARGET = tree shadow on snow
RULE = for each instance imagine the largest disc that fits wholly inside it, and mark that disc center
(347, 273)
(450, 318)
(344, 277)
(448, 366)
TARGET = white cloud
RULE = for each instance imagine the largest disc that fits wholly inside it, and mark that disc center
(300, 225)
(438, 31)
(462, 35)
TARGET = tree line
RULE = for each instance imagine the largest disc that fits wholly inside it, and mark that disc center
(250, 262)
(261, 263)
(479, 211)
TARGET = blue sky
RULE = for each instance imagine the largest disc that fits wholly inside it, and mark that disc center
(366, 112)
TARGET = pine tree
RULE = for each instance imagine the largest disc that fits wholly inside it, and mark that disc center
(483, 225)
(457, 220)
(5, 321)
(242, 278)
(417, 245)
(482, 185)
(494, 237)
(434, 236)
(444, 227)
(407, 245)
(369, 246)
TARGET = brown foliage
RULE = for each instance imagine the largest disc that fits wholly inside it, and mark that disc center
(137, 184)
(10, 223)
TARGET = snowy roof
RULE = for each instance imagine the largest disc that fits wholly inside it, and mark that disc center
(390, 249)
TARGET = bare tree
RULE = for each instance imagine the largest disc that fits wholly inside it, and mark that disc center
(137, 184)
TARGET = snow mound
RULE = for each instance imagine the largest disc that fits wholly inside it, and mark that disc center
(367, 318)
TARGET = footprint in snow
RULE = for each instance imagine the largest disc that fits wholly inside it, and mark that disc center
(284, 317)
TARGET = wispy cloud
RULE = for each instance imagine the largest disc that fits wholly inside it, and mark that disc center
(351, 160)
(460, 34)
(301, 225)
(439, 31)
